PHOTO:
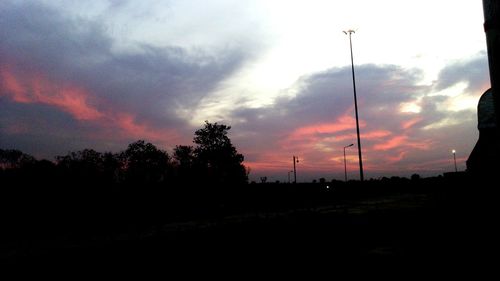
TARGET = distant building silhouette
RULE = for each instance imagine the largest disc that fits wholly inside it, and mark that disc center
(483, 158)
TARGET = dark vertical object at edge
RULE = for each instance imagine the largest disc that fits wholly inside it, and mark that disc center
(491, 10)
(483, 161)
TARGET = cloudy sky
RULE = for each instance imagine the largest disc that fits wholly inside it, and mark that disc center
(102, 74)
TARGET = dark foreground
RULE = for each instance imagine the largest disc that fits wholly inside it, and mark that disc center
(422, 226)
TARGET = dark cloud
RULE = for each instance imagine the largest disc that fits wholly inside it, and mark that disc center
(36, 37)
(41, 130)
(474, 71)
(149, 83)
(121, 93)
(397, 142)
(323, 97)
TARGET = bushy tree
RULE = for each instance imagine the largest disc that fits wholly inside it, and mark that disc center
(216, 156)
(145, 163)
(185, 163)
(184, 156)
(13, 159)
(17, 167)
(112, 167)
(84, 166)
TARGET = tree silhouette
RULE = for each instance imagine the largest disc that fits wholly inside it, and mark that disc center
(13, 158)
(216, 155)
(184, 159)
(145, 163)
(82, 166)
(16, 167)
(112, 168)
(184, 155)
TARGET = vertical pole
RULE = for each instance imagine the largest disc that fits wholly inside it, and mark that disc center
(345, 167)
(455, 161)
(361, 176)
(294, 171)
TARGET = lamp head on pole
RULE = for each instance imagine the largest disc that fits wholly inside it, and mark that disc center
(349, 145)
(453, 151)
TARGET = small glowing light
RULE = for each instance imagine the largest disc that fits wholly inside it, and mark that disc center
(453, 151)
(327, 187)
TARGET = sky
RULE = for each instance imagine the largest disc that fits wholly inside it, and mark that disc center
(102, 74)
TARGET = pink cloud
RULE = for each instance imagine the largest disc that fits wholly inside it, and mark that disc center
(264, 162)
(79, 103)
(266, 166)
(68, 98)
(319, 147)
(392, 143)
(304, 138)
(377, 134)
(397, 157)
(343, 123)
(37, 89)
(13, 88)
(130, 127)
(410, 123)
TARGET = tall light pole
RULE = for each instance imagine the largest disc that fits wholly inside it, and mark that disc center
(295, 160)
(455, 159)
(345, 163)
(361, 176)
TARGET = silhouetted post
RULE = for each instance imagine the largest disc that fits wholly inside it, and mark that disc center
(361, 177)
(491, 10)
(289, 175)
(455, 159)
(295, 160)
(345, 162)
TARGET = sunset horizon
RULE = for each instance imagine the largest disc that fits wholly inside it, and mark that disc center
(103, 74)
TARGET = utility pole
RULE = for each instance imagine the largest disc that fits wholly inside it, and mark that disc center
(455, 159)
(361, 175)
(345, 162)
(295, 160)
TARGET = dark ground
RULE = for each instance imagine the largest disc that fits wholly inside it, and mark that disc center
(423, 228)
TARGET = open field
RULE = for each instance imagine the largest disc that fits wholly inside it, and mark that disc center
(418, 225)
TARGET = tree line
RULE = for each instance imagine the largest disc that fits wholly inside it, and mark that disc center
(212, 160)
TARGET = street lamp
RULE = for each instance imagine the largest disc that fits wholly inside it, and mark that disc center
(295, 160)
(345, 163)
(455, 159)
(361, 177)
